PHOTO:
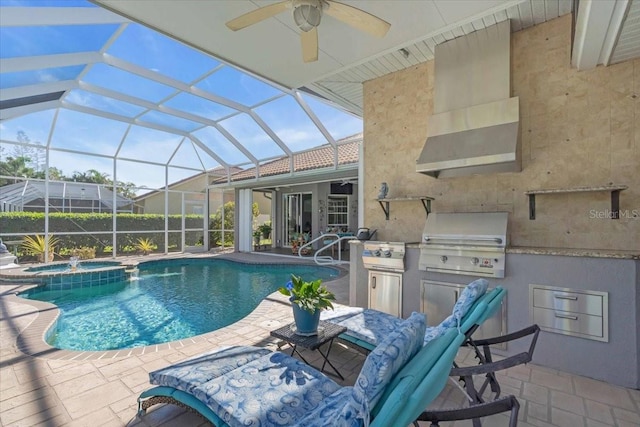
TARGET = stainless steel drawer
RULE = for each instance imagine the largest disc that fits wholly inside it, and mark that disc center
(576, 302)
(581, 313)
(569, 323)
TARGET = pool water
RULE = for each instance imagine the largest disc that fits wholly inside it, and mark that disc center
(169, 301)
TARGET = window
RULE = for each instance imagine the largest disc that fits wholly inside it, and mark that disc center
(338, 211)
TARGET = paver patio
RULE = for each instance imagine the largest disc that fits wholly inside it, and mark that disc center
(65, 388)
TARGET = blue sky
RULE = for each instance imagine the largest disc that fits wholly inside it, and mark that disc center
(75, 129)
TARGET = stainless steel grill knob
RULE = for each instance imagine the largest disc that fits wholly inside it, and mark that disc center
(475, 261)
(443, 259)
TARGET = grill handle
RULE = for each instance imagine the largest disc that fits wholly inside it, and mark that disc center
(471, 239)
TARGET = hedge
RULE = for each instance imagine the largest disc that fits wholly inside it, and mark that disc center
(100, 225)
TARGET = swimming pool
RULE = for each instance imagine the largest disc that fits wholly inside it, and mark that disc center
(169, 301)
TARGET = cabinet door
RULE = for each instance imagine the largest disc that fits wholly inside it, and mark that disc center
(438, 300)
(384, 292)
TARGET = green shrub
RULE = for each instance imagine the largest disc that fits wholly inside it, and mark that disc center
(84, 253)
(38, 245)
(100, 227)
(145, 246)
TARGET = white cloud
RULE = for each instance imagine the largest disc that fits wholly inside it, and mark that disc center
(45, 76)
(78, 97)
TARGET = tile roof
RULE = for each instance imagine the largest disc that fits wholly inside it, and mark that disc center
(318, 158)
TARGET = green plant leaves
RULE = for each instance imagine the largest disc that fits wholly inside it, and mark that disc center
(310, 296)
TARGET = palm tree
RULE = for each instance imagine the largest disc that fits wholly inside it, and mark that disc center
(98, 177)
(16, 167)
(55, 174)
(91, 176)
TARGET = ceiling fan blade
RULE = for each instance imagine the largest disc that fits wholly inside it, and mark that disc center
(257, 15)
(309, 41)
(357, 18)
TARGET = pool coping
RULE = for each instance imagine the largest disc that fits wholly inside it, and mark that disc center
(31, 341)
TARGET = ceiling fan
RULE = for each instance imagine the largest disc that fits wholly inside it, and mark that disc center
(307, 15)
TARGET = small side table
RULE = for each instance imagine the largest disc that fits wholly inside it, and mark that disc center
(327, 332)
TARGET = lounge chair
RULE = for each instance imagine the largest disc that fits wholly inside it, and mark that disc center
(367, 327)
(253, 386)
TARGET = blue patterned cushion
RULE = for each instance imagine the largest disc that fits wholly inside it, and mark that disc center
(434, 332)
(337, 410)
(467, 298)
(193, 372)
(387, 359)
(341, 313)
(370, 325)
(274, 390)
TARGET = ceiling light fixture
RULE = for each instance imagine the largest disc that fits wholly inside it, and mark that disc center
(307, 14)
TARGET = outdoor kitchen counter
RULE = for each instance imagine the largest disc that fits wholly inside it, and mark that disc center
(574, 252)
(614, 273)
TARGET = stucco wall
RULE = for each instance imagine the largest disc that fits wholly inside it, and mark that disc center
(578, 128)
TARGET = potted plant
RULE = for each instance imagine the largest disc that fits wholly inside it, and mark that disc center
(294, 243)
(256, 237)
(308, 299)
(265, 229)
(145, 246)
(38, 244)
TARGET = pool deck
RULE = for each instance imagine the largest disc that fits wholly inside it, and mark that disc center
(43, 386)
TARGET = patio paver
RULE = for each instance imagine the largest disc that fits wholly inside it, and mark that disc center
(63, 388)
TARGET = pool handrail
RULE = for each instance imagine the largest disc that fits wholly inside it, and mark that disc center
(326, 259)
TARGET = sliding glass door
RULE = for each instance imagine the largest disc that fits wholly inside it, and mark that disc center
(297, 216)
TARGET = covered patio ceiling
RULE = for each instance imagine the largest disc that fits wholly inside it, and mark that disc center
(87, 78)
(606, 32)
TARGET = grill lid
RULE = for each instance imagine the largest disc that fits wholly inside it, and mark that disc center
(474, 229)
(465, 243)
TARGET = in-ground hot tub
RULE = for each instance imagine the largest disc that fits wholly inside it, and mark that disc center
(82, 265)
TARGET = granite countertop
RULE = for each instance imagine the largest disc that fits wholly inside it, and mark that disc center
(592, 253)
(576, 252)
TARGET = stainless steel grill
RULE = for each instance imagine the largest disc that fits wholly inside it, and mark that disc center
(388, 256)
(465, 243)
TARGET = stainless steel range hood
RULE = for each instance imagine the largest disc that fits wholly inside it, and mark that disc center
(475, 125)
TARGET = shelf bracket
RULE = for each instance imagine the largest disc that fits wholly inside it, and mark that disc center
(385, 208)
(532, 206)
(615, 204)
(426, 203)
